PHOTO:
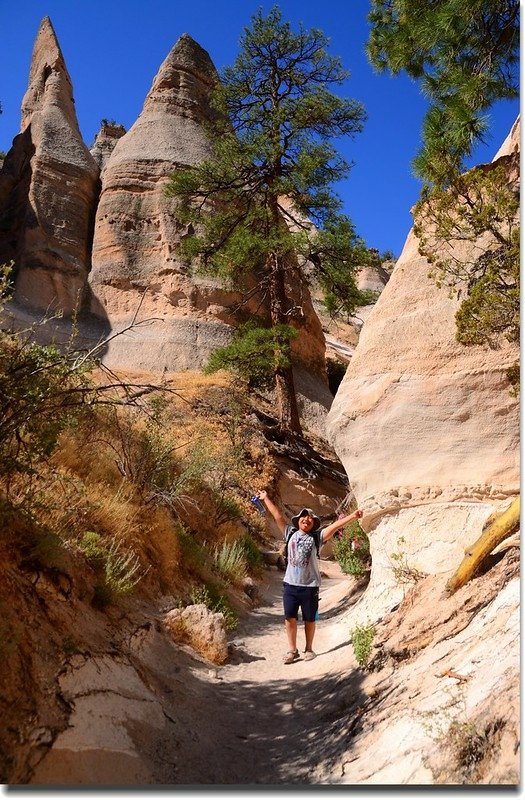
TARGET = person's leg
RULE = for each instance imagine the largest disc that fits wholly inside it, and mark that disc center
(309, 611)
(291, 611)
(309, 632)
(291, 632)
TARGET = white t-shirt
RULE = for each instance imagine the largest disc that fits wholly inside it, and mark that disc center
(303, 566)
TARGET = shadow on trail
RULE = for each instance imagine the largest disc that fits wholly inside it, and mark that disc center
(286, 730)
(292, 730)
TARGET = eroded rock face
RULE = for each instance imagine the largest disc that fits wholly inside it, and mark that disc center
(136, 230)
(48, 188)
(105, 142)
(426, 428)
(136, 266)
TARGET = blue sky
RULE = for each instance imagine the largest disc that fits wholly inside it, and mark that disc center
(114, 49)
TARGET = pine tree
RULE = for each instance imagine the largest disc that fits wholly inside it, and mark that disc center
(465, 53)
(264, 203)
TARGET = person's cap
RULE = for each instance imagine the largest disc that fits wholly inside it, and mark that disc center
(303, 513)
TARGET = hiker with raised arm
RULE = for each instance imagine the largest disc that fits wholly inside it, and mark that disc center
(302, 579)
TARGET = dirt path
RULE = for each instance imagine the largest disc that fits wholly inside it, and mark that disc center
(152, 713)
(277, 723)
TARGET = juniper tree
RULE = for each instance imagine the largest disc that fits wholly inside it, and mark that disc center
(266, 198)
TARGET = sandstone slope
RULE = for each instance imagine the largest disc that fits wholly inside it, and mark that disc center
(427, 429)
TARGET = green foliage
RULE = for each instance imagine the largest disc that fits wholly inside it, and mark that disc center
(352, 550)
(252, 554)
(230, 561)
(336, 370)
(216, 602)
(92, 545)
(465, 52)
(254, 353)
(275, 122)
(480, 208)
(119, 568)
(402, 571)
(362, 637)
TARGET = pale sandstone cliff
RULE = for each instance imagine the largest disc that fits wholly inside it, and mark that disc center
(427, 429)
(48, 189)
(135, 258)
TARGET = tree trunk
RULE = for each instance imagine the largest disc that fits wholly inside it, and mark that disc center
(287, 409)
(498, 528)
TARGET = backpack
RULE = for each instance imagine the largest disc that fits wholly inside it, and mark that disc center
(283, 550)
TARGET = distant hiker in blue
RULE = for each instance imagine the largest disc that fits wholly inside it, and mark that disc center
(302, 578)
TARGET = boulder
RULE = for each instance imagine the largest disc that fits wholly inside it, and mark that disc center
(202, 629)
(48, 189)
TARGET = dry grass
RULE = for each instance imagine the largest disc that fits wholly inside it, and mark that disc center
(103, 479)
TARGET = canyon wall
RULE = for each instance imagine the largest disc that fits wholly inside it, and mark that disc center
(427, 429)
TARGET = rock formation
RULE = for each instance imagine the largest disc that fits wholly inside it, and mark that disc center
(135, 259)
(105, 141)
(427, 429)
(48, 189)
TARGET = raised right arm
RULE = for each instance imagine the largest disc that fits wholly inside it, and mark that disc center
(274, 511)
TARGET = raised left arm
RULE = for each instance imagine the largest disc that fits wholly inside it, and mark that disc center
(340, 523)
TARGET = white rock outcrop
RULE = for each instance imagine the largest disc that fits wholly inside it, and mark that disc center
(427, 429)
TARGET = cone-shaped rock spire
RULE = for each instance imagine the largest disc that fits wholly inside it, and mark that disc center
(135, 259)
(48, 188)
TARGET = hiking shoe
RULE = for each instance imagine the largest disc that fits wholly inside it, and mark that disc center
(291, 656)
(309, 654)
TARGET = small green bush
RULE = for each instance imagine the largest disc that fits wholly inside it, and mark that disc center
(120, 569)
(335, 370)
(230, 561)
(362, 638)
(252, 554)
(352, 550)
(92, 545)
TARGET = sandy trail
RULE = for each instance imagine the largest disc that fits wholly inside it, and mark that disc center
(278, 723)
(163, 716)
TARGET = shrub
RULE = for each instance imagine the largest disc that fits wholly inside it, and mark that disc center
(352, 551)
(252, 554)
(120, 568)
(254, 354)
(362, 638)
(335, 370)
(230, 561)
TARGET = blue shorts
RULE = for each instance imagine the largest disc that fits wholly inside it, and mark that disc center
(305, 598)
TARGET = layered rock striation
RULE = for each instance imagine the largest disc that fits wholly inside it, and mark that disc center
(49, 184)
(96, 230)
(136, 266)
(427, 429)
